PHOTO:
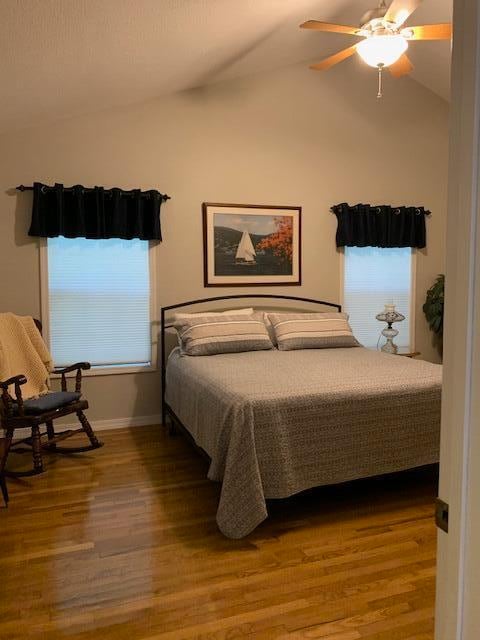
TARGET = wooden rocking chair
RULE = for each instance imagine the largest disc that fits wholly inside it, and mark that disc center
(4, 449)
(17, 413)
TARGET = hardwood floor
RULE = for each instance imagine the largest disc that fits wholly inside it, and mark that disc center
(121, 543)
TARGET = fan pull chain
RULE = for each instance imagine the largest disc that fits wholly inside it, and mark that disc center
(380, 87)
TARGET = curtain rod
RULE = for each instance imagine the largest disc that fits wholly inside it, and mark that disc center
(22, 187)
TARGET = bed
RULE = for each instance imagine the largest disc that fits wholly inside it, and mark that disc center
(275, 423)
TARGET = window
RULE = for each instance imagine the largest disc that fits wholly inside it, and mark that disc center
(373, 277)
(99, 302)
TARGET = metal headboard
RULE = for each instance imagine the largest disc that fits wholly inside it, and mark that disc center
(164, 326)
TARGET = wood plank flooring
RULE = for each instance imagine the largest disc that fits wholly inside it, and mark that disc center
(121, 543)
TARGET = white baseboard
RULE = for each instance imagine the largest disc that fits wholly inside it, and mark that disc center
(126, 423)
(102, 425)
(121, 423)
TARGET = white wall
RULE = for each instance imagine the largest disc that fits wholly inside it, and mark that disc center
(293, 137)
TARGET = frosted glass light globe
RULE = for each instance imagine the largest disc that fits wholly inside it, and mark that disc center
(382, 50)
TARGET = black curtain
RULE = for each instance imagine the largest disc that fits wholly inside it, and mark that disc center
(96, 213)
(364, 225)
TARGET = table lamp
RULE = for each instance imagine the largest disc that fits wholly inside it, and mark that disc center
(389, 315)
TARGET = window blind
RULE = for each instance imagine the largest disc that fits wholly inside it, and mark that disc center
(373, 277)
(99, 301)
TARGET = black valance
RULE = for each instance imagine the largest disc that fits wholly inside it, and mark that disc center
(364, 225)
(95, 213)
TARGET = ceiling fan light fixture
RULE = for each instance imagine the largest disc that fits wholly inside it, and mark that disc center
(382, 50)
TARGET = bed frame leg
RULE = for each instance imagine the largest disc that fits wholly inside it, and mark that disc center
(172, 430)
(164, 416)
(168, 421)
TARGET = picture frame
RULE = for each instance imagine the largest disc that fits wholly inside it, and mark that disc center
(251, 245)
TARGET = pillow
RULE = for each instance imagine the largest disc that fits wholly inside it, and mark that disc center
(312, 330)
(209, 335)
(207, 314)
(271, 330)
(269, 325)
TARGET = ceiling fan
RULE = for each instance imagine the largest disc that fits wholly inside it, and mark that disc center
(384, 39)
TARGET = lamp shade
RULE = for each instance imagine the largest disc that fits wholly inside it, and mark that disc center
(382, 50)
(389, 315)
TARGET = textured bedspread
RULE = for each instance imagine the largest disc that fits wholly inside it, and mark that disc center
(278, 422)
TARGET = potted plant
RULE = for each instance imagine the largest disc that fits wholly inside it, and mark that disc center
(433, 308)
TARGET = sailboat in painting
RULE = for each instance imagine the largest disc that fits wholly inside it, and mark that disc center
(245, 251)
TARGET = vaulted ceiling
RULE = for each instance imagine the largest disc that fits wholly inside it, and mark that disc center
(60, 58)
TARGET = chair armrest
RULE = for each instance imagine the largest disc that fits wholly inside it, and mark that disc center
(6, 398)
(15, 380)
(78, 367)
(74, 367)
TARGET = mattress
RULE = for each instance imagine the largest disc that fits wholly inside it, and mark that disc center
(275, 423)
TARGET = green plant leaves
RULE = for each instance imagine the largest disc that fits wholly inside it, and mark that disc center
(434, 303)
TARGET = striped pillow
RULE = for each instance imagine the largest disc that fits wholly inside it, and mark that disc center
(204, 336)
(230, 312)
(312, 331)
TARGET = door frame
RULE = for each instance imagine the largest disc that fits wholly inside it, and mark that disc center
(458, 561)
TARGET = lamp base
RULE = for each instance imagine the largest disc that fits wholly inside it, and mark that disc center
(389, 347)
(389, 334)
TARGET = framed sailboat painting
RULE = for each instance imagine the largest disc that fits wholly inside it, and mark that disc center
(251, 245)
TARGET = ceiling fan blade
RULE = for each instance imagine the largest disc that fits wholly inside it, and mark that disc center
(401, 67)
(400, 10)
(327, 26)
(335, 59)
(432, 32)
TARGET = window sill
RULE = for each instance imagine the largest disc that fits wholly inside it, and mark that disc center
(108, 371)
(402, 351)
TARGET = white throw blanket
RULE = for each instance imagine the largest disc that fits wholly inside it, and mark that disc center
(23, 352)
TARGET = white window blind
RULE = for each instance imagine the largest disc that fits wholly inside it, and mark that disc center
(372, 278)
(99, 301)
